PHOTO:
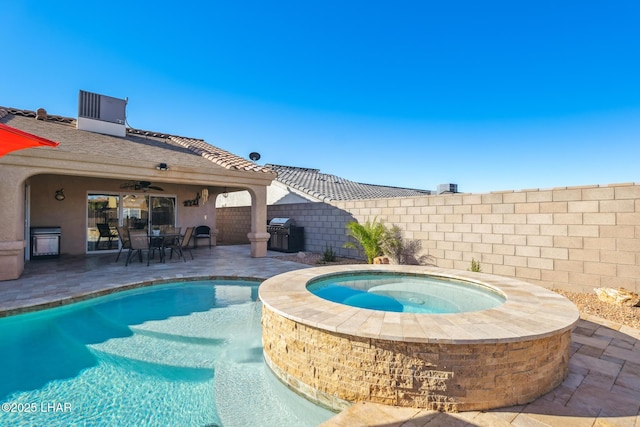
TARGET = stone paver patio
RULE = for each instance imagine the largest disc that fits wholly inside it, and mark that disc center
(602, 389)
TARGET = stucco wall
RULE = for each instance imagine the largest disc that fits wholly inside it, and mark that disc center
(575, 238)
(277, 194)
(71, 213)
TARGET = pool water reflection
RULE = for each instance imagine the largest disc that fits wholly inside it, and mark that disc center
(186, 353)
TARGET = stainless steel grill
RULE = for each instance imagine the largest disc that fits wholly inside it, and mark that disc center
(45, 242)
(285, 236)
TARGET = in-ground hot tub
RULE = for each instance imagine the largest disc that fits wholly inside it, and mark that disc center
(404, 292)
(336, 354)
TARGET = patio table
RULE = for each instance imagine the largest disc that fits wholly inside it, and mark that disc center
(160, 241)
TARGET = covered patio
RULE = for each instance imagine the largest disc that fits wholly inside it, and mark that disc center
(139, 179)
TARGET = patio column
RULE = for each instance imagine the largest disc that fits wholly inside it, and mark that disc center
(12, 241)
(258, 235)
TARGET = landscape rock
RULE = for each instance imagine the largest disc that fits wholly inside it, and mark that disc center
(618, 296)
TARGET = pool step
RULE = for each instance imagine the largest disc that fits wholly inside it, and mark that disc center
(191, 341)
(89, 326)
(221, 323)
(156, 370)
(240, 388)
(157, 351)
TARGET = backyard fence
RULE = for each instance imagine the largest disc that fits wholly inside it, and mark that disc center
(573, 238)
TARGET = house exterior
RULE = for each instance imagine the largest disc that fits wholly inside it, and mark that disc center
(309, 197)
(131, 177)
(307, 185)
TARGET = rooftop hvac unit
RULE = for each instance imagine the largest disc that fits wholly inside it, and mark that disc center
(447, 188)
(101, 114)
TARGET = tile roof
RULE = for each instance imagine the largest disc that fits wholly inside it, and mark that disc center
(330, 187)
(151, 145)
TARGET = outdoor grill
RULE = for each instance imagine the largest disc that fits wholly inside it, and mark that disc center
(285, 236)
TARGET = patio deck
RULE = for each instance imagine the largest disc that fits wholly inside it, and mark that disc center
(602, 389)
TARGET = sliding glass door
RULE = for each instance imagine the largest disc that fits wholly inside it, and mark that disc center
(102, 218)
(134, 211)
(163, 211)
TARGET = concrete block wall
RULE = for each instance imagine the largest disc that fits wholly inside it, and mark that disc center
(572, 238)
(324, 225)
(233, 224)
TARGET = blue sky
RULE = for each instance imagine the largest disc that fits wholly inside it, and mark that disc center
(493, 95)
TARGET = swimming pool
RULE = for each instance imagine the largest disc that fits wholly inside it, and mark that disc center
(178, 354)
(406, 293)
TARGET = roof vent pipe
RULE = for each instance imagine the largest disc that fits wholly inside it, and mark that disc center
(41, 114)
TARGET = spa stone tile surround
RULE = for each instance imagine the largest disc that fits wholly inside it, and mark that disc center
(335, 354)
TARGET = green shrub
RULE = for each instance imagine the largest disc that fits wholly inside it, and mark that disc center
(403, 251)
(475, 266)
(328, 255)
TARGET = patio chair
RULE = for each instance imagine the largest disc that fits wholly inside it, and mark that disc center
(181, 244)
(123, 235)
(138, 243)
(105, 233)
(202, 232)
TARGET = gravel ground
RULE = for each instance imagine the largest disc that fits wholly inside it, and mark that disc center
(587, 303)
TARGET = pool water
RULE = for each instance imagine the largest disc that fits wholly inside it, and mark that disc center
(406, 293)
(184, 354)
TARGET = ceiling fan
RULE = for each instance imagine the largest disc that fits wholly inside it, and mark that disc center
(140, 186)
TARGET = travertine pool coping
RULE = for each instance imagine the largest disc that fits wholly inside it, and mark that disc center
(529, 312)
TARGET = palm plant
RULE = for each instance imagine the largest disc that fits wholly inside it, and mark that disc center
(368, 237)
